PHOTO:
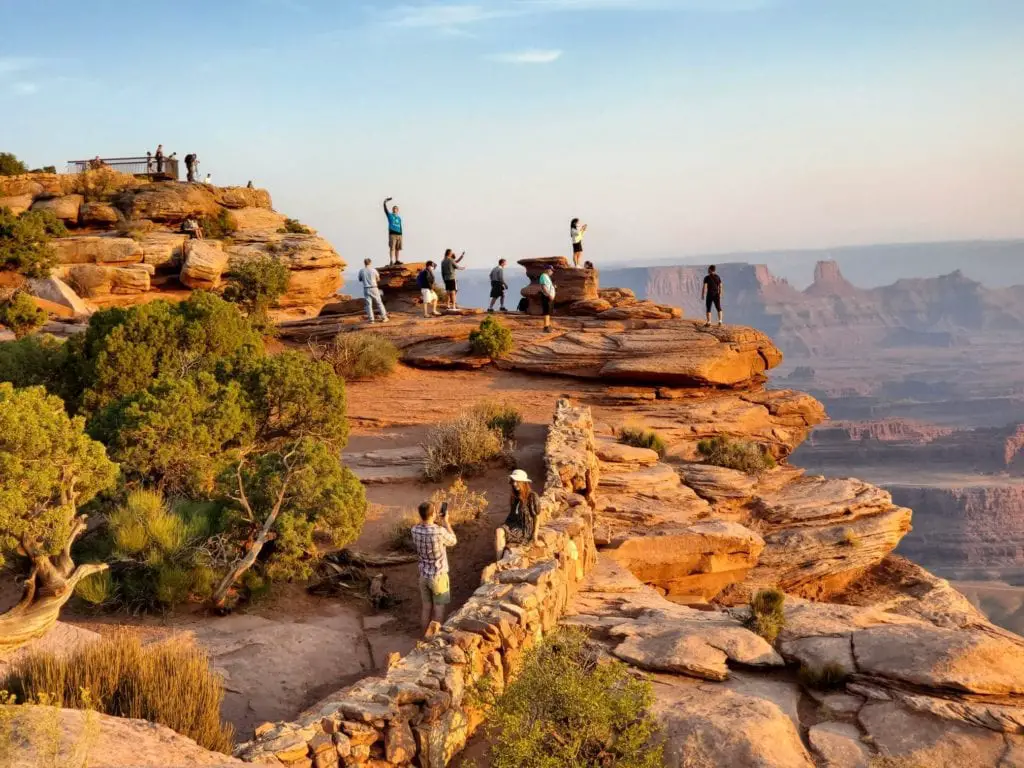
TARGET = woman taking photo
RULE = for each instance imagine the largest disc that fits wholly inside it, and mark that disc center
(520, 526)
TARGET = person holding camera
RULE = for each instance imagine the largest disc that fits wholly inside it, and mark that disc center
(520, 527)
(431, 542)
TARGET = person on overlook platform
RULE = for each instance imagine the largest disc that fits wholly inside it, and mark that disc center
(159, 157)
(431, 542)
(576, 233)
(425, 282)
(520, 527)
(394, 234)
(149, 162)
(498, 286)
(449, 266)
(547, 295)
(190, 167)
(711, 291)
(370, 278)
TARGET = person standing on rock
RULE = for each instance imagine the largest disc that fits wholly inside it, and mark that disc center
(547, 295)
(370, 278)
(425, 282)
(394, 233)
(576, 233)
(190, 167)
(449, 266)
(431, 542)
(159, 157)
(520, 527)
(711, 291)
(498, 286)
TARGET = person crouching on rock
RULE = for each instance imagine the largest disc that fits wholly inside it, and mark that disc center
(431, 542)
(370, 278)
(425, 281)
(547, 295)
(520, 527)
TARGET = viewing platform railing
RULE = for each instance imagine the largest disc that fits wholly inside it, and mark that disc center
(162, 170)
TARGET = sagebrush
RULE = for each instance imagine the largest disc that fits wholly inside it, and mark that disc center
(639, 437)
(294, 227)
(492, 339)
(219, 227)
(826, 677)
(359, 355)
(767, 614)
(500, 415)
(21, 315)
(463, 445)
(171, 683)
(736, 454)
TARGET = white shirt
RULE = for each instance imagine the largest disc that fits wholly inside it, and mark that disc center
(369, 277)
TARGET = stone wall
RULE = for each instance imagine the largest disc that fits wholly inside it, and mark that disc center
(422, 710)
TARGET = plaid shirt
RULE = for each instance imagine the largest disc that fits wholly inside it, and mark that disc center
(430, 542)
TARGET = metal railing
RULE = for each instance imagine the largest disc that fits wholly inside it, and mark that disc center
(163, 169)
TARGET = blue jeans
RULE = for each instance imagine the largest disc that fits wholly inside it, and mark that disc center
(372, 296)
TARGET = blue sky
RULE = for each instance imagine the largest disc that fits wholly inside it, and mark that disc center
(670, 126)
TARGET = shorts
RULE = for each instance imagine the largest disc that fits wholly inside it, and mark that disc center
(713, 301)
(577, 247)
(435, 590)
(497, 290)
(450, 285)
(394, 242)
(427, 295)
(545, 303)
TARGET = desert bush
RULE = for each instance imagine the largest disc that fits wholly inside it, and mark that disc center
(593, 713)
(295, 227)
(639, 437)
(492, 339)
(170, 683)
(10, 165)
(25, 241)
(256, 285)
(767, 617)
(33, 361)
(464, 505)
(21, 315)
(462, 445)
(97, 589)
(828, 676)
(400, 538)
(500, 415)
(736, 454)
(219, 227)
(358, 355)
(96, 184)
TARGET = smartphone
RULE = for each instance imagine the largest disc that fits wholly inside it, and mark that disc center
(444, 509)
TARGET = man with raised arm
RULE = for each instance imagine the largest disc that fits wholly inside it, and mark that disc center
(394, 233)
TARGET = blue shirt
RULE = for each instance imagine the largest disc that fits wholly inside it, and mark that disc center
(394, 224)
(546, 285)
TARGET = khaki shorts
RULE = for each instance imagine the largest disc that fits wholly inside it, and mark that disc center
(394, 242)
(435, 590)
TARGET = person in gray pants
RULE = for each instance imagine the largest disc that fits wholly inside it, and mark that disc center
(370, 278)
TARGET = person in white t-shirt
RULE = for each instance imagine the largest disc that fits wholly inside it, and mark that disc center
(370, 278)
(576, 233)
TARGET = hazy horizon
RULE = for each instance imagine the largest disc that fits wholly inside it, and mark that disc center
(670, 126)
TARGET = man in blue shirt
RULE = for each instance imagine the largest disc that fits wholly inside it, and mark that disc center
(394, 233)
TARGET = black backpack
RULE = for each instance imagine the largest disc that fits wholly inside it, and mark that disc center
(524, 304)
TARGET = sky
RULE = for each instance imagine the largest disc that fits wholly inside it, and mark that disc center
(671, 127)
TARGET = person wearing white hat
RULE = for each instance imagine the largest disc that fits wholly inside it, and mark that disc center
(520, 527)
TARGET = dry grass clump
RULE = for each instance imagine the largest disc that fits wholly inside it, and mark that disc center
(639, 437)
(463, 445)
(359, 355)
(170, 683)
(767, 617)
(826, 677)
(736, 454)
(464, 506)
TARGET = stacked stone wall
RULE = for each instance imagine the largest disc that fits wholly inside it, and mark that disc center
(422, 711)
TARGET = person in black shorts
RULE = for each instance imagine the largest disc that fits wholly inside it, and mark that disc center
(449, 266)
(711, 292)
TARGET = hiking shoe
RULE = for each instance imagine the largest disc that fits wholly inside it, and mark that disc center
(707, 324)
(504, 310)
(438, 314)
(490, 311)
(548, 329)
(386, 320)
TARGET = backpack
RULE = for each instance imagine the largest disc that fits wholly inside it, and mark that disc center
(422, 280)
(189, 159)
(524, 304)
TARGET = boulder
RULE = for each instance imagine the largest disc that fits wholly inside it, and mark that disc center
(616, 296)
(398, 286)
(838, 745)
(311, 287)
(642, 310)
(625, 455)
(55, 290)
(17, 204)
(571, 284)
(297, 251)
(250, 218)
(587, 307)
(97, 249)
(95, 281)
(130, 280)
(169, 202)
(205, 263)
(65, 208)
(237, 198)
(97, 215)
(163, 250)
(345, 305)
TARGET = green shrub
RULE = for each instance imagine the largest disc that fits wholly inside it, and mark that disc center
(97, 589)
(11, 165)
(566, 708)
(826, 677)
(500, 415)
(34, 361)
(295, 227)
(256, 285)
(21, 315)
(639, 437)
(767, 614)
(359, 355)
(462, 445)
(736, 454)
(492, 339)
(170, 683)
(98, 183)
(25, 241)
(219, 227)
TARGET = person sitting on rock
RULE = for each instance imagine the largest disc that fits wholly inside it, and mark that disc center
(711, 291)
(520, 527)
(425, 282)
(191, 228)
(431, 542)
(449, 265)
(370, 278)
(498, 286)
(547, 295)
(394, 233)
(576, 232)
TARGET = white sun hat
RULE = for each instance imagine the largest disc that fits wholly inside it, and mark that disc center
(519, 476)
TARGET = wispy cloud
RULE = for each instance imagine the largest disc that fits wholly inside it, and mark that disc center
(527, 57)
(11, 65)
(25, 88)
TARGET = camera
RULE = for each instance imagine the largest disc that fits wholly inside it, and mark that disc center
(444, 509)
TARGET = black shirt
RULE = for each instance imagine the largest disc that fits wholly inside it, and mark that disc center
(713, 283)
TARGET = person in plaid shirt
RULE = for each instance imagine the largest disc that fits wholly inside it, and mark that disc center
(431, 542)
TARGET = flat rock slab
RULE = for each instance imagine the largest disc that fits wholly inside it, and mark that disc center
(838, 745)
(620, 453)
